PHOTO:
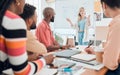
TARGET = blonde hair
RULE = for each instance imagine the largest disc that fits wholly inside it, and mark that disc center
(79, 15)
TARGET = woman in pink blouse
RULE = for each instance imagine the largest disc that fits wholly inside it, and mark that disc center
(111, 55)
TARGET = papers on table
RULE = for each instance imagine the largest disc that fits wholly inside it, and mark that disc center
(84, 57)
(79, 48)
(46, 71)
(58, 62)
(97, 65)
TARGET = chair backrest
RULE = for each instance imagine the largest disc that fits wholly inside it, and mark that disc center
(70, 42)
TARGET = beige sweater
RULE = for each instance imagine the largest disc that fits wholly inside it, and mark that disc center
(33, 45)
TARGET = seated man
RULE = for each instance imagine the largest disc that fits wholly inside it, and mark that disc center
(44, 33)
(30, 17)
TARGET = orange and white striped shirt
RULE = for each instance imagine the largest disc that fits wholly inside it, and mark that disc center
(13, 46)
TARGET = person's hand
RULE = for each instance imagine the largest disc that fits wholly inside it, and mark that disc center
(48, 58)
(66, 47)
(56, 43)
(89, 50)
(33, 56)
(68, 19)
(88, 20)
(88, 17)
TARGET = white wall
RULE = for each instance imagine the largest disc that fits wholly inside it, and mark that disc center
(70, 9)
(45, 4)
(37, 4)
(41, 4)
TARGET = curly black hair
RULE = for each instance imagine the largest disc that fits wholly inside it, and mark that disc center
(29, 11)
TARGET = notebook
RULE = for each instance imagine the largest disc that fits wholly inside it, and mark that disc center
(61, 62)
(84, 57)
(66, 53)
(46, 71)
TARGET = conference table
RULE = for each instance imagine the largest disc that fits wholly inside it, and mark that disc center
(92, 71)
(86, 72)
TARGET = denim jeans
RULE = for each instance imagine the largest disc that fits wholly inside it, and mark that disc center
(80, 38)
(115, 72)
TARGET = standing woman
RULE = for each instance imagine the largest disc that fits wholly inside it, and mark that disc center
(13, 40)
(111, 55)
(82, 26)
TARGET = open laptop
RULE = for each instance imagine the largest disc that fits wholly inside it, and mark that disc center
(66, 53)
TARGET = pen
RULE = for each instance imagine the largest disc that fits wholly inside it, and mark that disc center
(71, 65)
(90, 43)
(65, 69)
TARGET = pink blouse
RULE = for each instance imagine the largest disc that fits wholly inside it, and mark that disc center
(111, 56)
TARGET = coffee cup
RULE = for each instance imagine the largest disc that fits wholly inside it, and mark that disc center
(99, 53)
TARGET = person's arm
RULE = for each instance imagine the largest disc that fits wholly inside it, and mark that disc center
(102, 71)
(37, 47)
(56, 46)
(88, 21)
(52, 48)
(34, 45)
(72, 25)
(16, 49)
(35, 56)
(70, 21)
(56, 43)
(89, 50)
(112, 49)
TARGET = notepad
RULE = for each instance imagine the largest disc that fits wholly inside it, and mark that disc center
(84, 57)
(59, 62)
(46, 71)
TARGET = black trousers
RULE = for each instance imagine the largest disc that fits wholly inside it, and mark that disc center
(115, 72)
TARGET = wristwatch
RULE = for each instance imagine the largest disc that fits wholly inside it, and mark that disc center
(61, 47)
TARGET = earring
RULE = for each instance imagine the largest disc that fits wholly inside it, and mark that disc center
(18, 3)
(103, 10)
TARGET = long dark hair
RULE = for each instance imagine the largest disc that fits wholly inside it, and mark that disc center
(4, 4)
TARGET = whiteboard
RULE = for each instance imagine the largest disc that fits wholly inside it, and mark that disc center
(69, 9)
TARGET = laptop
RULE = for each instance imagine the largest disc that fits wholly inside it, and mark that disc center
(66, 53)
